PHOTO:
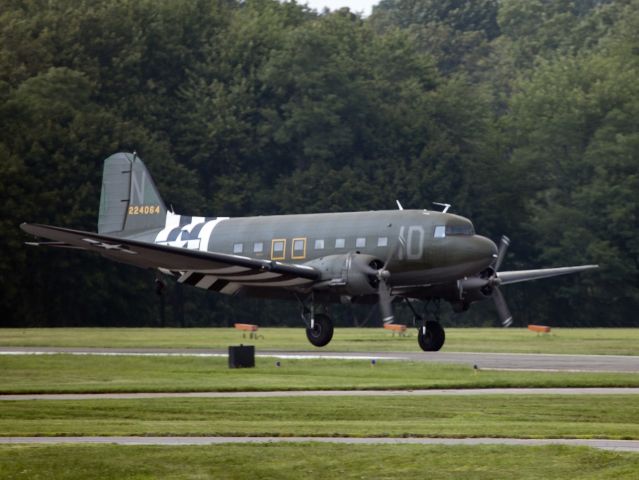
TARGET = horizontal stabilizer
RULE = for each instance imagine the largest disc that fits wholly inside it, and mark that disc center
(527, 275)
(53, 244)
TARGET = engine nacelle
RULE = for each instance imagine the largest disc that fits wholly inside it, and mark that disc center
(348, 274)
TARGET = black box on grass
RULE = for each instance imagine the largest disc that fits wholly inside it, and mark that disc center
(242, 356)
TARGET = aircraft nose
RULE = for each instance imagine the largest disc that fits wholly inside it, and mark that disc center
(484, 249)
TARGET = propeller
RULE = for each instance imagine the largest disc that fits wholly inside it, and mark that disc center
(489, 284)
(383, 275)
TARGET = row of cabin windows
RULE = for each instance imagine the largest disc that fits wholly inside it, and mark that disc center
(299, 245)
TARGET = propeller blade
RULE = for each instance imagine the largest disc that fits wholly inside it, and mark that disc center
(502, 308)
(385, 307)
(501, 254)
(394, 252)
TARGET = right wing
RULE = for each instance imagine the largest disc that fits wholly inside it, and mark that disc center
(527, 275)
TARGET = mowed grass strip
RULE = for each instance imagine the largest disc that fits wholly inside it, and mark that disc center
(318, 461)
(604, 341)
(72, 373)
(547, 416)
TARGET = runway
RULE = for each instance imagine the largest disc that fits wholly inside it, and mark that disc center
(492, 361)
(617, 445)
(323, 393)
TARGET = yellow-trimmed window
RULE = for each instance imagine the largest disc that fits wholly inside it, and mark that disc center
(298, 249)
(278, 249)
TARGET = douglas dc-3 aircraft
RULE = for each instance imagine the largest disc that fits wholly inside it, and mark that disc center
(354, 257)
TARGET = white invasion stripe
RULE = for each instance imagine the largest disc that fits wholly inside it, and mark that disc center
(231, 288)
(172, 221)
(206, 282)
(207, 230)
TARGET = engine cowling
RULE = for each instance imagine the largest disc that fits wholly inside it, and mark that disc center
(348, 274)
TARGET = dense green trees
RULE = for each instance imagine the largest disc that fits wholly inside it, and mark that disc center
(522, 114)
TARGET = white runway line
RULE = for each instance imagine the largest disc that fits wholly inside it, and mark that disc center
(523, 362)
(616, 445)
(323, 393)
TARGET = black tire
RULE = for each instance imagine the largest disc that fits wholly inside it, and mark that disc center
(434, 338)
(322, 331)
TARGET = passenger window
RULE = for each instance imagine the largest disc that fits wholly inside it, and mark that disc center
(360, 242)
(340, 242)
(278, 249)
(238, 247)
(319, 244)
(440, 231)
(258, 247)
(299, 248)
(382, 242)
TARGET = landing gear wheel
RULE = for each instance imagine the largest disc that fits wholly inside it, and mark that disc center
(322, 331)
(434, 337)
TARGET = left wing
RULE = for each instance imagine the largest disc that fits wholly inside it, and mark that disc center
(208, 270)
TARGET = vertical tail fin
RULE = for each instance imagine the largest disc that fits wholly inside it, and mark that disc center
(130, 200)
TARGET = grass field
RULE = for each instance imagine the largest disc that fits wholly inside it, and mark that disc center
(317, 461)
(71, 373)
(538, 416)
(605, 341)
(545, 416)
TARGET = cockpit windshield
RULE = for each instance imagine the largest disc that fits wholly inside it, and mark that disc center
(460, 230)
(442, 231)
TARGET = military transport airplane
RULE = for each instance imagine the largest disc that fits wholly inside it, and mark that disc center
(318, 259)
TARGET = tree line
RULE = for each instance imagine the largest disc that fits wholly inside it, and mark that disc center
(523, 114)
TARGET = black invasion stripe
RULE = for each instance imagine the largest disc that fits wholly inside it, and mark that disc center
(196, 230)
(194, 278)
(173, 234)
(219, 285)
(185, 220)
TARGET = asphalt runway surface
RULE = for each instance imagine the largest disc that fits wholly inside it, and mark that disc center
(617, 445)
(492, 361)
(323, 393)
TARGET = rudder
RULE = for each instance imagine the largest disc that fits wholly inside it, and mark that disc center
(129, 200)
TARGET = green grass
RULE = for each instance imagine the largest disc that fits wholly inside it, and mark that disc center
(317, 461)
(537, 416)
(605, 341)
(71, 373)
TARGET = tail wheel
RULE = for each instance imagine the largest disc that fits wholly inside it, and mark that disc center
(322, 331)
(433, 339)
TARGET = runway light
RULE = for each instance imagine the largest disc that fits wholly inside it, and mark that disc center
(278, 364)
(373, 362)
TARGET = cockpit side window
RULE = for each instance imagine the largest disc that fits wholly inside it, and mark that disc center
(440, 231)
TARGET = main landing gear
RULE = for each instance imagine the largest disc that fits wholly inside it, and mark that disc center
(319, 326)
(321, 331)
(431, 336)
(430, 333)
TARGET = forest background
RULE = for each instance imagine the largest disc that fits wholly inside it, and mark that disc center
(523, 114)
